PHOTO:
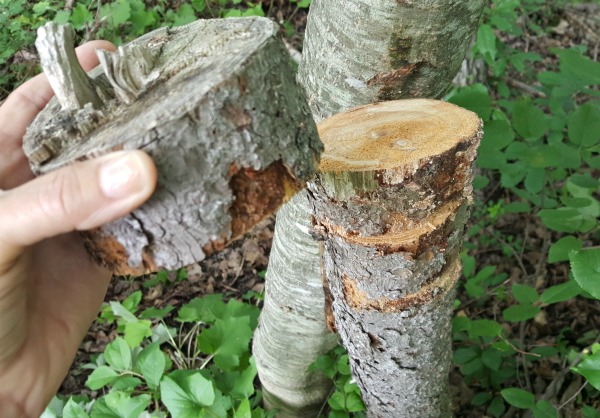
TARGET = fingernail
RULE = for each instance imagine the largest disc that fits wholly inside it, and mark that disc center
(120, 176)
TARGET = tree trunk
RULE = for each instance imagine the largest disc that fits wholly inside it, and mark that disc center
(355, 52)
(391, 200)
(214, 103)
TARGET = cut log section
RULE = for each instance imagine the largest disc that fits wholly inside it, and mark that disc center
(214, 103)
(390, 202)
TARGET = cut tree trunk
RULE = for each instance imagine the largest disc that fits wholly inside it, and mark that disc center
(391, 200)
(214, 103)
(355, 52)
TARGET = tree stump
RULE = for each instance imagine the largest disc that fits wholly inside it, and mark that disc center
(390, 201)
(214, 103)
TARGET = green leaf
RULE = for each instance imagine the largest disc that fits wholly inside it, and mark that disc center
(101, 377)
(528, 120)
(524, 293)
(559, 251)
(475, 98)
(590, 369)
(561, 292)
(584, 125)
(485, 328)
(117, 12)
(120, 405)
(497, 407)
(186, 393)
(518, 398)
(122, 312)
(491, 358)
(464, 355)
(517, 207)
(136, 331)
(585, 265)
(534, 180)
(590, 412)
(472, 367)
(155, 313)
(343, 365)
(581, 67)
(354, 403)
(74, 410)
(152, 363)
(517, 313)
(118, 354)
(486, 42)
(566, 220)
(80, 16)
(481, 399)
(544, 409)
(337, 401)
(227, 340)
(243, 410)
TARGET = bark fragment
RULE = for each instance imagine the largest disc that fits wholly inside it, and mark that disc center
(216, 105)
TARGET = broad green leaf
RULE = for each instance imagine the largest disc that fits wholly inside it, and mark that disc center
(481, 398)
(80, 16)
(186, 393)
(584, 180)
(243, 410)
(227, 340)
(517, 207)
(573, 62)
(101, 377)
(590, 412)
(534, 180)
(559, 251)
(584, 125)
(524, 293)
(485, 328)
(120, 405)
(151, 363)
(472, 367)
(464, 354)
(521, 312)
(155, 313)
(343, 365)
(566, 220)
(491, 358)
(475, 98)
(585, 265)
(354, 403)
(54, 408)
(337, 401)
(561, 292)
(118, 354)
(497, 407)
(544, 409)
(126, 383)
(518, 398)
(117, 12)
(135, 332)
(239, 385)
(486, 42)
(122, 312)
(74, 410)
(529, 121)
(590, 369)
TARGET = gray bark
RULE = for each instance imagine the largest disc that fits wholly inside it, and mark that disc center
(391, 271)
(357, 52)
(216, 105)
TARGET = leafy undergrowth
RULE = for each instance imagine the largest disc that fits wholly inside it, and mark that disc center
(526, 329)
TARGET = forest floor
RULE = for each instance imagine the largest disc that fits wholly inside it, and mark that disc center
(240, 268)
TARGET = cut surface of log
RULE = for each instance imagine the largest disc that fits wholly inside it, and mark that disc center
(216, 106)
(390, 201)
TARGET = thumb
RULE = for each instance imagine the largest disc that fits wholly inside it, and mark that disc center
(81, 196)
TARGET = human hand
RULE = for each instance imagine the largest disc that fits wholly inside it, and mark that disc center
(50, 290)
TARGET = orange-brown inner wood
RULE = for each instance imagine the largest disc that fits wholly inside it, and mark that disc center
(392, 134)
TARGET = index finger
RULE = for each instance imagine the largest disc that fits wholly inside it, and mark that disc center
(19, 110)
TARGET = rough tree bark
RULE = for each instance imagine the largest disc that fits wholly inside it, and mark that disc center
(391, 200)
(355, 52)
(214, 103)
